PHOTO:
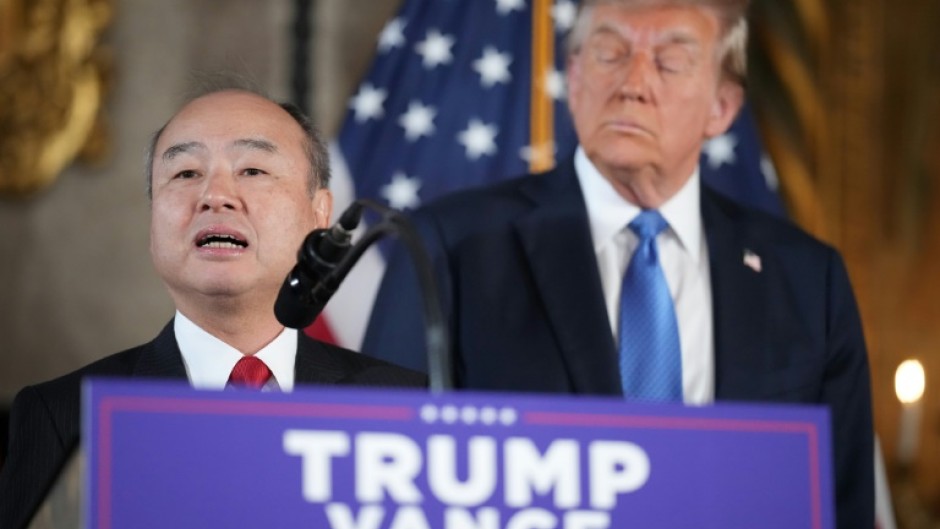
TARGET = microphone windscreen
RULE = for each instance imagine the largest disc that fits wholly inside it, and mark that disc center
(291, 307)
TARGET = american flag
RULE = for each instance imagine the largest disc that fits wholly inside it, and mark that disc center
(466, 92)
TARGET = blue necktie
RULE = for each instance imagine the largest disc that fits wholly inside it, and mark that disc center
(650, 358)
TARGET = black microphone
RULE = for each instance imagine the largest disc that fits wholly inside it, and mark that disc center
(327, 256)
(305, 291)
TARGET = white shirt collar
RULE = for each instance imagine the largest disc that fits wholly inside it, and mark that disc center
(609, 213)
(209, 360)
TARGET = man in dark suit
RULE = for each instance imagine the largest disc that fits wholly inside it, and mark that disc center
(236, 182)
(537, 274)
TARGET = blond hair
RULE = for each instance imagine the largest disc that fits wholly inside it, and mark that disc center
(732, 20)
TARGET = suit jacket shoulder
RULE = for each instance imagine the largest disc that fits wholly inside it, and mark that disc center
(478, 209)
(719, 212)
(321, 363)
(45, 419)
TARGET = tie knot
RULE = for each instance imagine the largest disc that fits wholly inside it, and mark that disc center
(249, 372)
(648, 224)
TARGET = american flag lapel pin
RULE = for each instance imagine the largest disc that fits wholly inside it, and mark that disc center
(752, 260)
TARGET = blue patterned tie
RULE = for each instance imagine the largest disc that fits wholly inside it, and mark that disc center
(650, 358)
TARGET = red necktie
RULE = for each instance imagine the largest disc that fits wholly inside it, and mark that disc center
(249, 372)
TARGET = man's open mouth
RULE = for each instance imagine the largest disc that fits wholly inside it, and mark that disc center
(221, 241)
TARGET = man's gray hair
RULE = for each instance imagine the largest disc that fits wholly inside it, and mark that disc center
(732, 20)
(314, 146)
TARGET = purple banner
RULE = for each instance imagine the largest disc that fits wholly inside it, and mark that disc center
(162, 455)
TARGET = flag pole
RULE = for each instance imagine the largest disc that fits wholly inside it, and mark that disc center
(541, 120)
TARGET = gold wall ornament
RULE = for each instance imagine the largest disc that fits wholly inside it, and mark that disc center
(53, 75)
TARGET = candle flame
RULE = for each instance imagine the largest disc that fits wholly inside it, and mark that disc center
(909, 381)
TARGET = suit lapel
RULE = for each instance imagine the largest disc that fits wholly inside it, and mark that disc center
(739, 298)
(161, 358)
(315, 364)
(556, 239)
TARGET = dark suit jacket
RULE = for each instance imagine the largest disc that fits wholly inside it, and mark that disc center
(523, 298)
(44, 422)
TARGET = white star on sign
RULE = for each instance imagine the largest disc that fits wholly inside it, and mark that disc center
(418, 120)
(478, 138)
(504, 7)
(435, 49)
(493, 67)
(555, 84)
(393, 34)
(720, 150)
(368, 103)
(402, 191)
(564, 13)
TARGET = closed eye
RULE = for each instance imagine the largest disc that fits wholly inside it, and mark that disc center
(674, 63)
(677, 57)
(606, 48)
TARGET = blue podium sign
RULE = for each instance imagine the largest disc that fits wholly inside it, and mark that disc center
(162, 455)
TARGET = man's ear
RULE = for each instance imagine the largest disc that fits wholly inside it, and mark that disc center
(322, 203)
(728, 101)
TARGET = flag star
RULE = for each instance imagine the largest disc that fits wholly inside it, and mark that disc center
(555, 84)
(720, 150)
(539, 153)
(769, 172)
(752, 260)
(418, 120)
(402, 191)
(478, 138)
(435, 49)
(392, 35)
(564, 13)
(493, 67)
(504, 7)
(368, 102)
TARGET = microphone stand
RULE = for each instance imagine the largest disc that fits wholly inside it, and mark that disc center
(392, 222)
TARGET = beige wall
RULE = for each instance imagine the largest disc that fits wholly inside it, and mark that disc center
(76, 282)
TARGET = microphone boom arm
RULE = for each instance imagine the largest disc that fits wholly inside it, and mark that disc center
(440, 373)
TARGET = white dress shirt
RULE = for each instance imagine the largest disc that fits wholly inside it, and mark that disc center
(209, 361)
(683, 255)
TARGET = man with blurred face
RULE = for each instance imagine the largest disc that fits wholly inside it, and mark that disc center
(236, 181)
(232, 202)
(646, 90)
(619, 273)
